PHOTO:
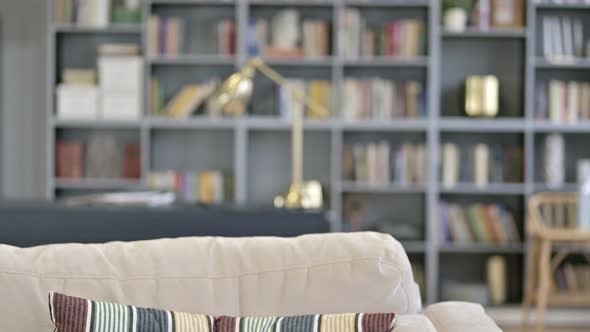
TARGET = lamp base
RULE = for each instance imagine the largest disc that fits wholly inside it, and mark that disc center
(306, 195)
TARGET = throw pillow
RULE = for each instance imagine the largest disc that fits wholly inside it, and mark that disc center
(73, 314)
(311, 323)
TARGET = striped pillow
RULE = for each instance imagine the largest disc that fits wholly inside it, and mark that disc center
(309, 323)
(72, 314)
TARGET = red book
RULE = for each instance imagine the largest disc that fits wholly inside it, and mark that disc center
(61, 159)
(132, 162)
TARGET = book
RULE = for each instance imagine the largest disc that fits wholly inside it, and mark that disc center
(132, 161)
(226, 37)
(399, 38)
(496, 278)
(71, 76)
(480, 163)
(165, 35)
(206, 187)
(379, 99)
(563, 102)
(554, 160)
(563, 38)
(481, 223)
(378, 163)
(69, 159)
(188, 99)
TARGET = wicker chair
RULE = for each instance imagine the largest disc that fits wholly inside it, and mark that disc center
(552, 227)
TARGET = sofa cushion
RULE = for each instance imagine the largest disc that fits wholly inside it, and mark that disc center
(73, 314)
(358, 272)
(380, 322)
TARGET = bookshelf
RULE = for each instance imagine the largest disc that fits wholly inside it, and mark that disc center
(254, 149)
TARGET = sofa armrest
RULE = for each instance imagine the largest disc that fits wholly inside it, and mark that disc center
(460, 317)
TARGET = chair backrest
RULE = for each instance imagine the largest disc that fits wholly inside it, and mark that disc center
(552, 211)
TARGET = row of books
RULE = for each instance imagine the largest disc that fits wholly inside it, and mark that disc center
(563, 101)
(488, 14)
(96, 13)
(186, 102)
(484, 223)
(563, 38)
(208, 187)
(379, 99)
(281, 38)
(480, 164)
(380, 164)
(101, 158)
(400, 38)
(572, 277)
(319, 91)
(166, 36)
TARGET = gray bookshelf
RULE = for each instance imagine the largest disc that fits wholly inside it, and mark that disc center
(256, 148)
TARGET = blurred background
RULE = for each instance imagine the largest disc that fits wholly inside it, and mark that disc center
(434, 121)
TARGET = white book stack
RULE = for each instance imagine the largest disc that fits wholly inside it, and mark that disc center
(121, 75)
(77, 97)
(554, 161)
(77, 102)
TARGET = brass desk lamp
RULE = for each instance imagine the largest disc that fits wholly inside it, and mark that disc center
(232, 97)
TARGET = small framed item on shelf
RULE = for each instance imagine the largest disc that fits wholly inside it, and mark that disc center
(508, 14)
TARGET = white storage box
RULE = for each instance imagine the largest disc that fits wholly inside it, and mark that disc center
(121, 106)
(120, 74)
(78, 102)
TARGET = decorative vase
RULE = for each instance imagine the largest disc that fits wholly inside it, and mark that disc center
(455, 19)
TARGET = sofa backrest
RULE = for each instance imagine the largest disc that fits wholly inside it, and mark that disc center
(357, 272)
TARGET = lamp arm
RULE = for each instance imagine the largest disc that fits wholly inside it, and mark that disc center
(274, 76)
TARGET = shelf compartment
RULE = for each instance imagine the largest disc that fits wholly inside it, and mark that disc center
(486, 57)
(269, 163)
(464, 124)
(357, 187)
(390, 213)
(481, 248)
(470, 267)
(576, 148)
(490, 189)
(189, 150)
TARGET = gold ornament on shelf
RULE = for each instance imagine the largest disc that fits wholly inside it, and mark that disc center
(481, 96)
(232, 97)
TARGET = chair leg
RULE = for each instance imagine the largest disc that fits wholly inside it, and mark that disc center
(544, 281)
(531, 269)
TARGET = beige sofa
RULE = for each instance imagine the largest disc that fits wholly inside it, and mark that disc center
(360, 272)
